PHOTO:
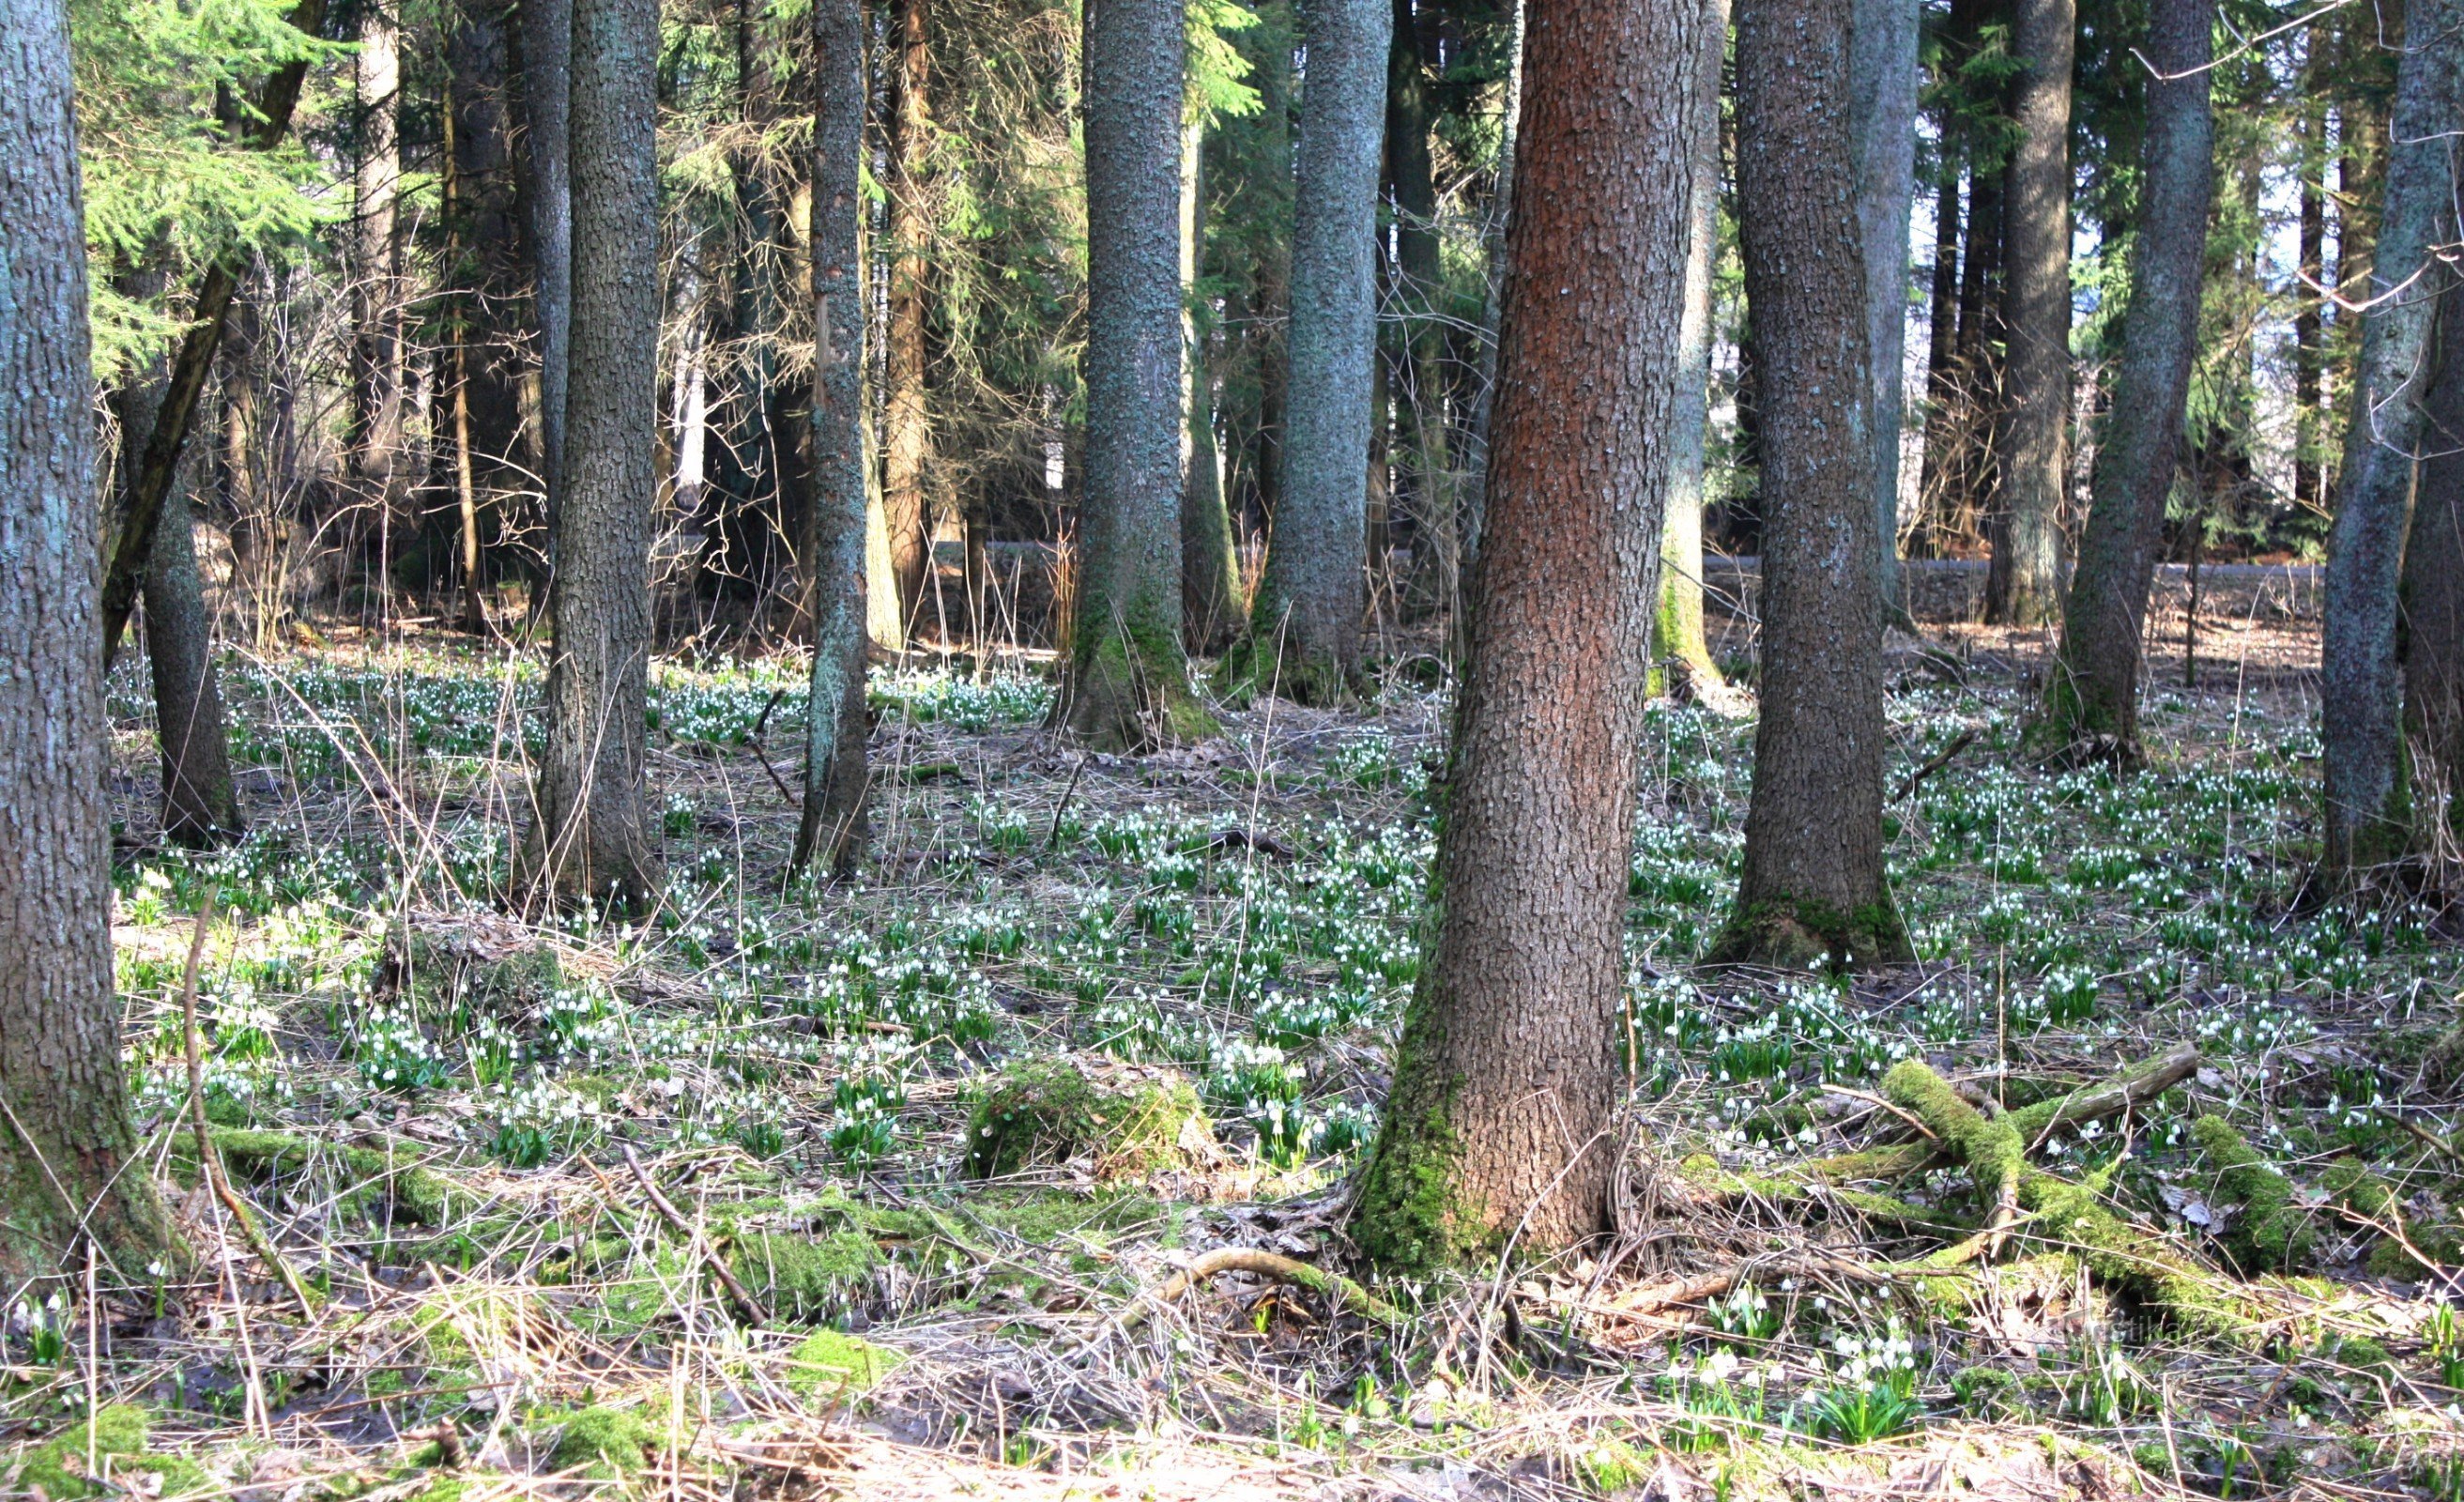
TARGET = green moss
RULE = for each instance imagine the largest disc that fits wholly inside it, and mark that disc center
(1787, 932)
(806, 1277)
(831, 1365)
(2273, 1234)
(370, 1178)
(1128, 689)
(1412, 1218)
(57, 1469)
(1253, 668)
(1992, 1151)
(1132, 1122)
(603, 1442)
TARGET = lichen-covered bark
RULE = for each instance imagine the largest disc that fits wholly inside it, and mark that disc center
(588, 836)
(831, 830)
(2092, 701)
(68, 1154)
(2368, 815)
(1128, 683)
(2023, 585)
(1677, 643)
(1501, 1119)
(1812, 885)
(1883, 67)
(1305, 625)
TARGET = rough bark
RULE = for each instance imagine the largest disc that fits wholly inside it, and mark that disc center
(547, 81)
(1883, 65)
(1680, 657)
(377, 461)
(1501, 1130)
(2092, 702)
(1420, 427)
(1304, 639)
(2368, 818)
(1210, 571)
(907, 437)
(832, 828)
(69, 1156)
(1813, 888)
(2024, 582)
(2434, 608)
(588, 837)
(200, 804)
(1128, 683)
(1492, 333)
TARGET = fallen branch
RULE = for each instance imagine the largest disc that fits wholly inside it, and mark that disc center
(1341, 1291)
(752, 1307)
(1941, 758)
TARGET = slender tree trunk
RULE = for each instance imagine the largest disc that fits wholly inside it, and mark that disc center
(2309, 346)
(547, 75)
(2024, 585)
(906, 438)
(2368, 818)
(1974, 468)
(1678, 646)
(1128, 684)
(1942, 362)
(832, 828)
(1883, 62)
(588, 839)
(2092, 704)
(1420, 288)
(377, 461)
(1502, 1124)
(1210, 571)
(1492, 333)
(488, 272)
(70, 1162)
(459, 318)
(1814, 888)
(1305, 625)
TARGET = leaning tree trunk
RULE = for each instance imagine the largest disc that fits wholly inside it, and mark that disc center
(1884, 63)
(2367, 817)
(2092, 702)
(1128, 685)
(831, 830)
(547, 81)
(1500, 1133)
(588, 838)
(1304, 638)
(1420, 286)
(70, 1162)
(906, 438)
(1680, 657)
(1812, 889)
(1210, 570)
(2434, 608)
(2024, 582)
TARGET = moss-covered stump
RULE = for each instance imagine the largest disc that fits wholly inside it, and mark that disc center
(2271, 1233)
(1125, 1120)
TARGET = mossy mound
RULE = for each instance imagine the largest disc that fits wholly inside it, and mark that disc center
(829, 1365)
(1131, 1121)
(367, 1178)
(2274, 1234)
(806, 1277)
(116, 1438)
(603, 1442)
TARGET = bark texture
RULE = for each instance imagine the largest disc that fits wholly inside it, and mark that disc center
(2433, 609)
(2092, 704)
(1494, 233)
(1420, 425)
(2024, 584)
(200, 804)
(831, 830)
(69, 1157)
(907, 437)
(588, 836)
(547, 83)
(1680, 657)
(1813, 886)
(1305, 625)
(2368, 815)
(1128, 685)
(1884, 63)
(1502, 1124)
(376, 448)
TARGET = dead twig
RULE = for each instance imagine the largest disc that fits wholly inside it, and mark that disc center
(1941, 758)
(752, 1307)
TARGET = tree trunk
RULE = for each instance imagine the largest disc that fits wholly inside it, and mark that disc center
(547, 81)
(1973, 469)
(1942, 363)
(70, 1161)
(906, 438)
(2368, 818)
(2309, 346)
(1420, 288)
(1304, 638)
(458, 320)
(1128, 684)
(1492, 332)
(588, 838)
(2434, 607)
(1884, 63)
(1677, 648)
(1500, 1134)
(377, 461)
(200, 806)
(2024, 584)
(1812, 889)
(832, 828)
(1210, 571)
(488, 273)
(2092, 702)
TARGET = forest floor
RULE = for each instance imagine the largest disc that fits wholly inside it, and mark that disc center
(509, 1157)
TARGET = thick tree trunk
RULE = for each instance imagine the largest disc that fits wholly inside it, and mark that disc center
(833, 828)
(2024, 584)
(488, 274)
(1812, 887)
(907, 436)
(1420, 289)
(1680, 657)
(1128, 684)
(588, 837)
(547, 82)
(2092, 701)
(1210, 571)
(2367, 817)
(69, 1161)
(1883, 62)
(1304, 638)
(2434, 607)
(200, 806)
(1502, 1125)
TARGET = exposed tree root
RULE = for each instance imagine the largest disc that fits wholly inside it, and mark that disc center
(1343, 1292)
